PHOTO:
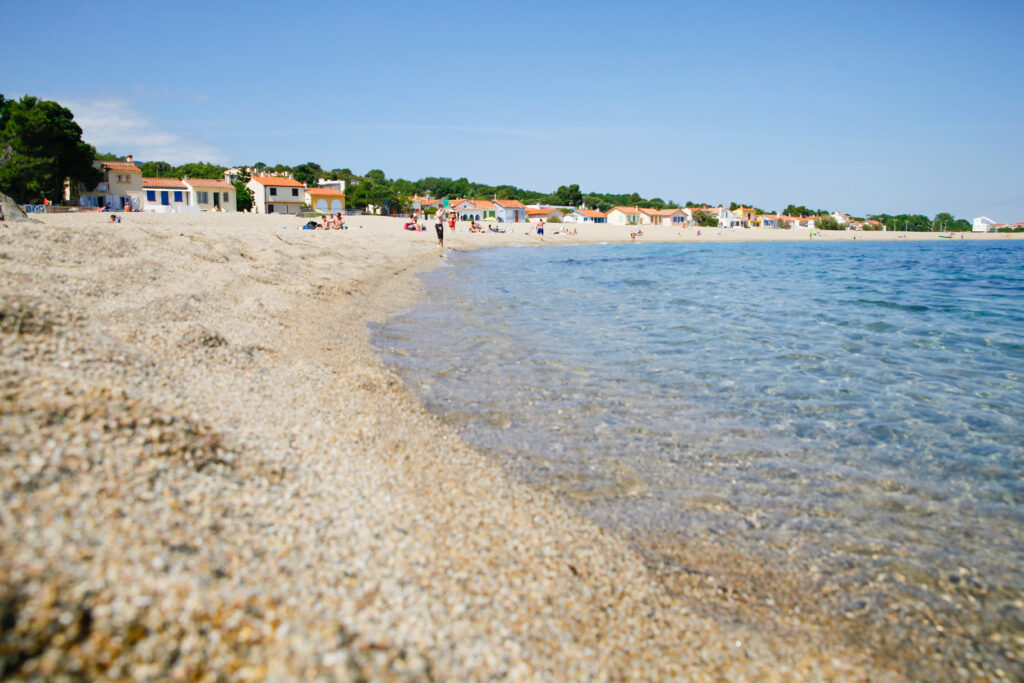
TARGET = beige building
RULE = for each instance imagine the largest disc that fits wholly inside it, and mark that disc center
(211, 195)
(121, 187)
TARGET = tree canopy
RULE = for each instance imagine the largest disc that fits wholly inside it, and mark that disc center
(40, 147)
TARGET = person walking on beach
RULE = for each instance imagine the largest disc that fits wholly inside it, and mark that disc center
(540, 228)
(442, 213)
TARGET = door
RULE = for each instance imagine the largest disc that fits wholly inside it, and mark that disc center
(164, 198)
(270, 208)
(216, 200)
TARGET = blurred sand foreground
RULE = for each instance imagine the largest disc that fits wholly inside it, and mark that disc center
(206, 471)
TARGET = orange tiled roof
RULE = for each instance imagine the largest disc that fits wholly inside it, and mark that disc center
(539, 212)
(591, 213)
(625, 209)
(121, 166)
(272, 181)
(163, 182)
(483, 204)
(509, 203)
(208, 182)
(325, 192)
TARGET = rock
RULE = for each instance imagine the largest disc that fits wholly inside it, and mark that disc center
(11, 212)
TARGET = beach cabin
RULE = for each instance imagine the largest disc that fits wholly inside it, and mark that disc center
(624, 215)
(509, 211)
(671, 217)
(841, 218)
(211, 194)
(120, 188)
(164, 195)
(765, 220)
(274, 194)
(326, 199)
(983, 224)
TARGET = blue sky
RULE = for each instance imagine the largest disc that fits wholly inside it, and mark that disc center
(863, 107)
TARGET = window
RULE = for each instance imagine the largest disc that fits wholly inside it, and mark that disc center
(273, 192)
(150, 195)
(295, 192)
(177, 196)
(202, 197)
(225, 196)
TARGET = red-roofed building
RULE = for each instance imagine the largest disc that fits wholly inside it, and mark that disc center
(121, 187)
(585, 216)
(164, 195)
(277, 195)
(211, 194)
(509, 211)
(545, 214)
(625, 215)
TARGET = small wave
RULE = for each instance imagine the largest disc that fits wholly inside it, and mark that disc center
(916, 308)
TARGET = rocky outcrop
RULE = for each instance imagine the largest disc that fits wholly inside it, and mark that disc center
(11, 212)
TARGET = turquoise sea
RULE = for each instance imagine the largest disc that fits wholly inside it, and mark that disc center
(847, 407)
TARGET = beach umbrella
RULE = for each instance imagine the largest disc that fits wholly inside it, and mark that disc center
(444, 203)
(312, 213)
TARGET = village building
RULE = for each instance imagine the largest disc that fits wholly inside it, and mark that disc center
(625, 215)
(164, 195)
(274, 194)
(211, 194)
(509, 211)
(983, 224)
(544, 214)
(121, 187)
(585, 216)
(326, 199)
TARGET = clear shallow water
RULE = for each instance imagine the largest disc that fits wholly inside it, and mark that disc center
(845, 400)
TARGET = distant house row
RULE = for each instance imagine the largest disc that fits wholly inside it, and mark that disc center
(124, 188)
(500, 210)
(740, 217)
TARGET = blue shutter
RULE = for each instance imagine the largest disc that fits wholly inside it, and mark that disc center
(150, 195)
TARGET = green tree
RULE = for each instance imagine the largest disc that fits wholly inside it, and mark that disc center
(705, 219)
(157, 169)
(568, 195)
(40, 147)
(308, 173)
(200, 170)
(243, 196)
(827, 222)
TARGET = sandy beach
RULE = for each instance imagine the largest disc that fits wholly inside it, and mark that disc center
(206, 471)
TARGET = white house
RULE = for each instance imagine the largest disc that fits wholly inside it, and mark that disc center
(545, 214)
(207, 194)
(509, 210)
(274, 194)
(338, 185)
(165, 195)
(841, 218)
(983, 224)
(585, 216)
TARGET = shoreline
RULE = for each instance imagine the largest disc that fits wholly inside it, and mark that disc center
(202, 441)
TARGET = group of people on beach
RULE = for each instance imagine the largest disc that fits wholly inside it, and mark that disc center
(335, 222)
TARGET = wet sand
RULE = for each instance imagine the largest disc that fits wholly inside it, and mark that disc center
(207, 471)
